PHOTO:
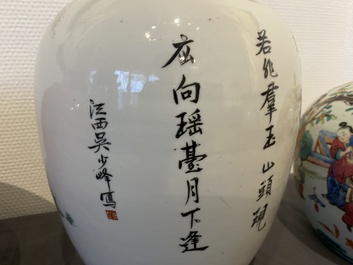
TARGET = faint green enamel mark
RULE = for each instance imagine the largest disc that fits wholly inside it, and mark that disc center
(69, 218)
(323, 116)
(350, 110)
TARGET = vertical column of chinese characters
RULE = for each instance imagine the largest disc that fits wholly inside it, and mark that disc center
(269, 108)
(187, 93)
(101, 147)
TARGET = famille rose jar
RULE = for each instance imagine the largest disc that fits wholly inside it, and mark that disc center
(324, 168)
(167, 127)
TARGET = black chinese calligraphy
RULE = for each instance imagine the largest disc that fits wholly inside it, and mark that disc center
(188, 125)
(270, 100)
(269, 104)
(100, 141)
(101, 147)
(259, 216)
(193, 190)
(266, 188)
(192, 125)
(191, 158)
(191, 213)
(187, 91)
(267, 167)
(270, 139)
(269, 69)
(264, 43)
(182, 52)
(191, 242)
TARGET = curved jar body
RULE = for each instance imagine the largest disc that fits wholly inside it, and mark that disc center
(167, 127)
(324, 168)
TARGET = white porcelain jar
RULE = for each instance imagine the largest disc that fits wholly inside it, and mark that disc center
(324, 168)
(168, 127)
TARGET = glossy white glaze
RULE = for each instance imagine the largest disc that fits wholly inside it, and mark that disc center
(113, 52)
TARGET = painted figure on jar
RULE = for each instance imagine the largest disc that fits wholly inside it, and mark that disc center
(342, 167)
(348, 206)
